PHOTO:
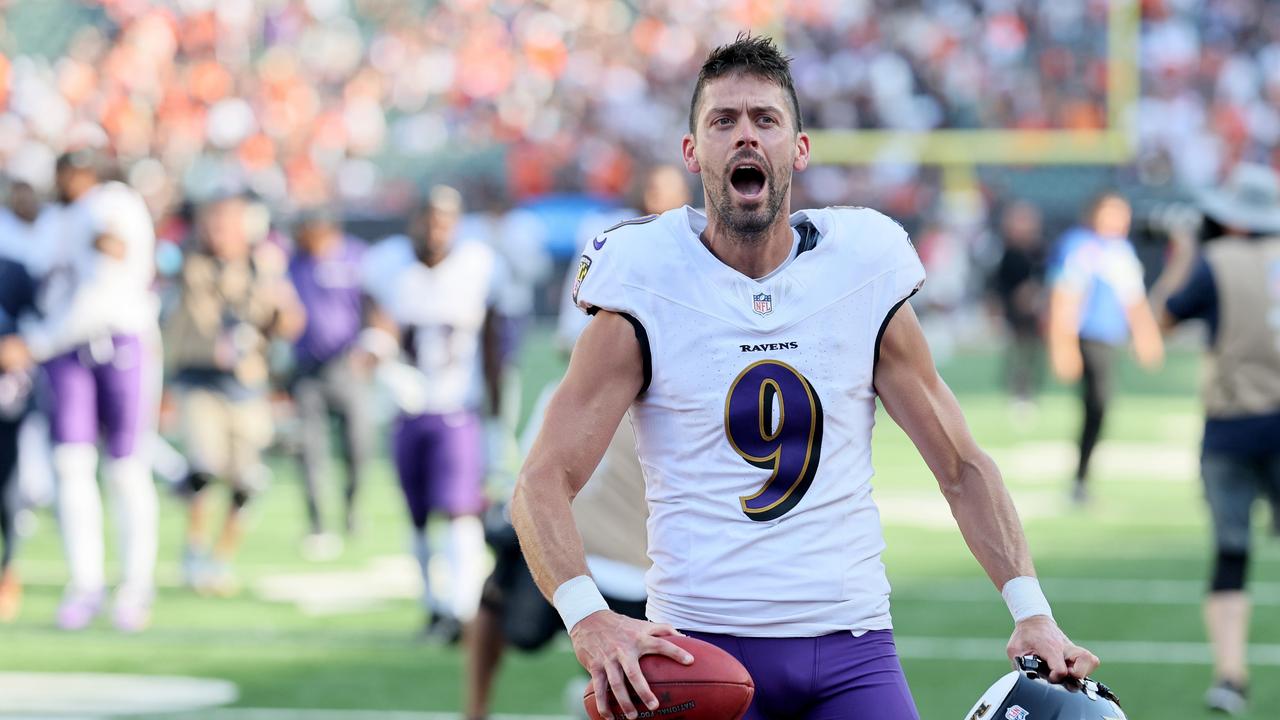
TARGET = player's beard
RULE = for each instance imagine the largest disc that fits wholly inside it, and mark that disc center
(743, 224)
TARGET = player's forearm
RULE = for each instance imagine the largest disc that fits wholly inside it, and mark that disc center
(87, 315)
(1176, 271)
(1147, 339)
(1063, 336)
(542, 516)
(988, 520)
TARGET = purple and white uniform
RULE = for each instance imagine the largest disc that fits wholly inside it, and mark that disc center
(98, 313)
(438, 441)
(754, 432)
(441, 311)
(98, 340)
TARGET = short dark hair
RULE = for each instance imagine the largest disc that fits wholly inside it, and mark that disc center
(754, 56)
(83, 159)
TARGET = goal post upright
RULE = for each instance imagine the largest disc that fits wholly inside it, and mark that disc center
(958, 152)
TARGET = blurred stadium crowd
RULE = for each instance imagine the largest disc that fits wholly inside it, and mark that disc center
(308, 101)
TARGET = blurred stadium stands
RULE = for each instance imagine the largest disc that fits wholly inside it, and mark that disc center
(362, 101)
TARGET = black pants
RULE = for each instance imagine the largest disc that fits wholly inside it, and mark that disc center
(332, 392)
(1099, 381)
(529, 622)
(1024, 363)
(8, 500)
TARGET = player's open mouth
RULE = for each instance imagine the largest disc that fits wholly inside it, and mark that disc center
(748, 180)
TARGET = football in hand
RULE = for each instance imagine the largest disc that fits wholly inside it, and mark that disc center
(715, 687)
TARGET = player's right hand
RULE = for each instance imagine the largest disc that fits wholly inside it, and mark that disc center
(609, 646)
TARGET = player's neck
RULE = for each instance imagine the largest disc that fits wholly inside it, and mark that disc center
(432, 258)
(754, 255)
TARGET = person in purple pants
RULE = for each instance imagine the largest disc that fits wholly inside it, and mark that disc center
(98, 311)
(749, 348)
(436, 303)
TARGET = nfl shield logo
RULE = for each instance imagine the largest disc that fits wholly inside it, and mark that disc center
(1017, 713)
(762, 303)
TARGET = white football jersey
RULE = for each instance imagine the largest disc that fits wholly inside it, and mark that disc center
(441, 312)
(88, 294)
(754, 429)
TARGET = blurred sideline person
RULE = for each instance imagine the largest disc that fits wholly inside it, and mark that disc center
(440, 309)
(1234, 286)
(610, 513)
(1097, 302)
(328, 382)
(99, 313)
(26, 237)
(1018, 283)
(17, 298)
(233, 298)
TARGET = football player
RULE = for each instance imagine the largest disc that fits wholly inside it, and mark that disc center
(439, 307)
(99, 310)
(17, 298)
(750, 347)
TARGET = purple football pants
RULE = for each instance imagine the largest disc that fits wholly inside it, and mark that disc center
(832, 677)
(439, 459)
(95, 387)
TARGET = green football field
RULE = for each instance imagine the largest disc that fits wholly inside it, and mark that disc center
(323, 640)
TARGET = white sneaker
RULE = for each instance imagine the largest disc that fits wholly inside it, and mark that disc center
(321, 547)
(1227, 697)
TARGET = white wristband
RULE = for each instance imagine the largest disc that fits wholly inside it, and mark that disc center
(577, 598)
(1024, 598)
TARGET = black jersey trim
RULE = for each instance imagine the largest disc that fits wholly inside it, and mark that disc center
(642, 336)
(809, 236)
(885, 326)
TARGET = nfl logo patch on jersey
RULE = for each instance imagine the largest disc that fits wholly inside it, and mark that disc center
(583, 267)
(1016, 713)
(762, 303)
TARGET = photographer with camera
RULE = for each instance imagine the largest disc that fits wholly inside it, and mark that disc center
(1233, 284)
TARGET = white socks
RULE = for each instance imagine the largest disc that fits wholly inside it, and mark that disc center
(80, 515)
(464, 550)
(136, 516)
(464, 555)
(422, 553)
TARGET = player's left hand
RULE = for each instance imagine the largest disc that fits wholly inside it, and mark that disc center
(111, 245)
(1040, 635)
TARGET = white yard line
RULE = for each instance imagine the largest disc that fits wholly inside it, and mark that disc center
(1111, 651)
(1094, 591)
(283, 714)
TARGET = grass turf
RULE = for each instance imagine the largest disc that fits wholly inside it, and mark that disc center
(1146, 523)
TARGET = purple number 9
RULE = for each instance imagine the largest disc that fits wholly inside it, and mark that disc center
(789, 442)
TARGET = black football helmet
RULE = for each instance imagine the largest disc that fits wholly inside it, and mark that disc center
(1027, 694)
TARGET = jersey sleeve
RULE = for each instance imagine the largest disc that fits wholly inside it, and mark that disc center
(570, 322)
(1123, 272)
(380, 264)
(901, 261)
(1076, 269)
(599, 281)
